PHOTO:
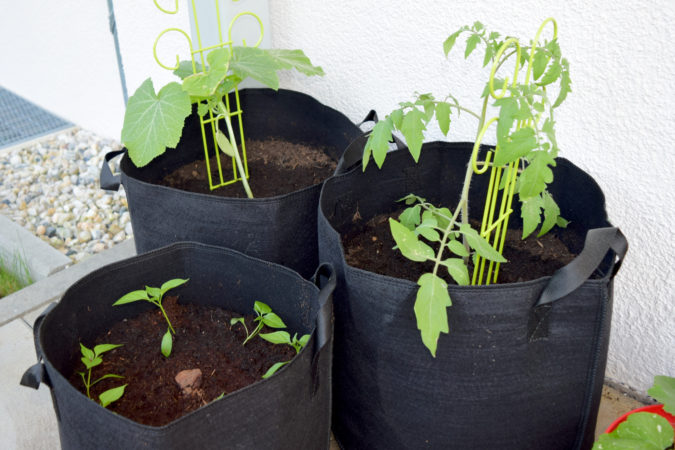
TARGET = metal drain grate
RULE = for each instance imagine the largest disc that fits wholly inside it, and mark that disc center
(21, 120)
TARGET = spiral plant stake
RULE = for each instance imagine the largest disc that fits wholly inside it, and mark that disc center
(520, 163)
(154, 122)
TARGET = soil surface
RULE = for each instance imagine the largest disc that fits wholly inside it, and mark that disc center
(369, 246)
(203, 340)
(275, 167)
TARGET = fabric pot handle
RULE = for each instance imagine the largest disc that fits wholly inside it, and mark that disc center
(110, 182)
(37, 373)
(326, 280)
(354, 151)
(598, 242)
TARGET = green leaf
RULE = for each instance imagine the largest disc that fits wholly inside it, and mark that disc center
(663, 391)
(102, 348)
(408, 243)
(167, 343)
(561, 222)
(552, 74)
(443, 117)
(153, 122)
(409, 199)
(565, 84)
(132, 296)
(273, 321)
(89, 363)
(478, 26)
(450, 42)
(471, 43)
(412, 127)
(185, 69)
(640, 431)
(518, 144)
(378, 143)
(530, 211)
(202, 109)
(294, 59)
(224, 144)
(153, 292)
(410, 217)
(204, 84)
(489, 53)
(536, 176)
(236, 320)
(277, 337)
(86, 352)
(255, 63)
(272, 370)
(551, 213)
(430, 309)
(507, 116)
(541, 59)
(458, 248)
(457, 270)
(111, 395)
(396, 117)
(261, 308)
(442, 215)
(480, 245)
(173, 284)
(304, 339)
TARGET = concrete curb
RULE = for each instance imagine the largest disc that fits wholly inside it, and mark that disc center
(42, 260)
(52, 288)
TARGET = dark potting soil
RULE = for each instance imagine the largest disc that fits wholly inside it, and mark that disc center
(204, 340)
(275, 167)
(369, 246)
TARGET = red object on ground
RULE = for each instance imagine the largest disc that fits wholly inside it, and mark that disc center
(657, 409)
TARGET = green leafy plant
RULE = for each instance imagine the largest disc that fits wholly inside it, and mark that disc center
(283, 337)
(154, 122)
(92, 358)
(645, 430)
(520, 162)
(154, 295)
(14, 274)
(265, 316)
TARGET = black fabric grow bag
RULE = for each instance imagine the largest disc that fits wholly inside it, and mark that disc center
(281, 229)
(290, 410)
(513, 373)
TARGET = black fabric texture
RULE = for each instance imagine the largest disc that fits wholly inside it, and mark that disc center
(509, 375)
(290, 410)
(281, 229)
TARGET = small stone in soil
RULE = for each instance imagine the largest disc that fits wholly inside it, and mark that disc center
(189, 380)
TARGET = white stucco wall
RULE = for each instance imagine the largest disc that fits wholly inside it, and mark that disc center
(617, 124)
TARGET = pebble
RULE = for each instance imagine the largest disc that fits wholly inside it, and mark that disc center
(51, 188)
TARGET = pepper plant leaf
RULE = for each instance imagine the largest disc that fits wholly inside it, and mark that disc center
(167, 343)
(272, 320)
(154, 122)
(430, 309)
(275, 367)
(408, 243)
(664, 392)
(277, 337)
(132, 296)
(172, 284)
(294, 59)
(256, 63)
(102, 348)
(111, 395)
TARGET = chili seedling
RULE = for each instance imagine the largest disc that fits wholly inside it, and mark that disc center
(283, 337)
(154, 295)
(92, 358)
(264, 316)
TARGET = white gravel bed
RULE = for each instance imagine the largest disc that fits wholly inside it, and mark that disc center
(52, 189)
